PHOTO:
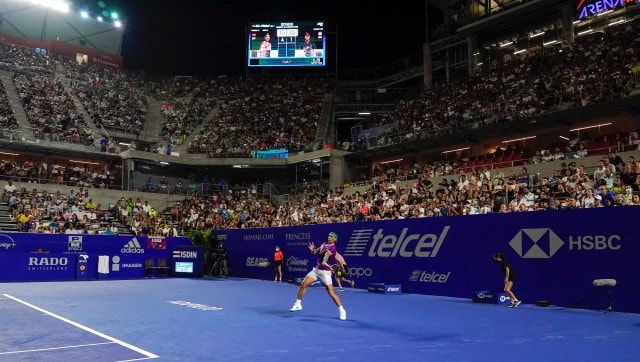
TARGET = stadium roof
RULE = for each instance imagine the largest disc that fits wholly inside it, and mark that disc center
(32, 20)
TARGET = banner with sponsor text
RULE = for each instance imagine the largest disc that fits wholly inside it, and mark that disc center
(28, 256)
(557, 254)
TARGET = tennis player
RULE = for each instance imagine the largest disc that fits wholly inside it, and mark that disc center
(326, 257)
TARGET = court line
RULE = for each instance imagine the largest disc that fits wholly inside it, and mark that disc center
(54, 348)
(78, 325)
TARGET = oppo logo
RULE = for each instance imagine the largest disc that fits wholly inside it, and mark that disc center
(360, 272)
(48, 261)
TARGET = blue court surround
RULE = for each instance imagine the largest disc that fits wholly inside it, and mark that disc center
(176, 319)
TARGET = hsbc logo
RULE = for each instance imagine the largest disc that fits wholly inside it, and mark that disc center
(543, 243)
(536, 243)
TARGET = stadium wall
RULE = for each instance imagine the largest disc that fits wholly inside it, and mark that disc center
(46, 257)
(557, 254)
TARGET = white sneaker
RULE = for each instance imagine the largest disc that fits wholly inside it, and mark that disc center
(343, 314)
(296, 307)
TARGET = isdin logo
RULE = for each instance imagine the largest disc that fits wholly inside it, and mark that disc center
(536, 243)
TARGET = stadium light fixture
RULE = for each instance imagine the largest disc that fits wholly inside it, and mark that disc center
(84, 14)
(58, 5)
(619, 21)
(594, 126)
(456, 150)
(364, 113)
(87, 162)
(587, 31)
(519, 139)
(392, 161)
(520, 51)
(551, 42)
(531, 36)
(564, 138)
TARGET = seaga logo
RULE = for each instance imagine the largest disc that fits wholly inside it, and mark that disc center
(407, 245)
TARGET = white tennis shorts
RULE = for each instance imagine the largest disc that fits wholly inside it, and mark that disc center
(323, 275)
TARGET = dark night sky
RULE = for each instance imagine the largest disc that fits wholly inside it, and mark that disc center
(207, 37)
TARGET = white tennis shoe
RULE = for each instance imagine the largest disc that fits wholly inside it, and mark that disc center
(343, 314)
(295, 308)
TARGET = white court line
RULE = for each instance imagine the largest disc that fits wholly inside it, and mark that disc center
(124, 344)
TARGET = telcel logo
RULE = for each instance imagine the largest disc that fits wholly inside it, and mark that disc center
(405, 245)
(426, 277)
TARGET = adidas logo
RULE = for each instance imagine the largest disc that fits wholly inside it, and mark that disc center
(132, 247)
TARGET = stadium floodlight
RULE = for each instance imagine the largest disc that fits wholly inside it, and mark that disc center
(99, 18)
(520, 51)
(58, 5)
(84, 14)
(117, 24)
(114, 15)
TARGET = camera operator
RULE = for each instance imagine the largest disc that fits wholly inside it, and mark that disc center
(219, 255)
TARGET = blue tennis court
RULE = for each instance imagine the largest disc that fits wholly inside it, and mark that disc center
(175, 319)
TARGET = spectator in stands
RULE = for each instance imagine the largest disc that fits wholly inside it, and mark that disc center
(164, 184)
(523, 177)
(150, 185)
(9, 189)
(104, 142)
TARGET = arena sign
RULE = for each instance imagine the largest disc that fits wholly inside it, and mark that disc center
(588, 8)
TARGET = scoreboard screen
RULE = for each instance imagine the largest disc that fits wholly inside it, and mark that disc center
(287, 44)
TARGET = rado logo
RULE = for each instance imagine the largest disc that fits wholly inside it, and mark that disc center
(48, 261)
